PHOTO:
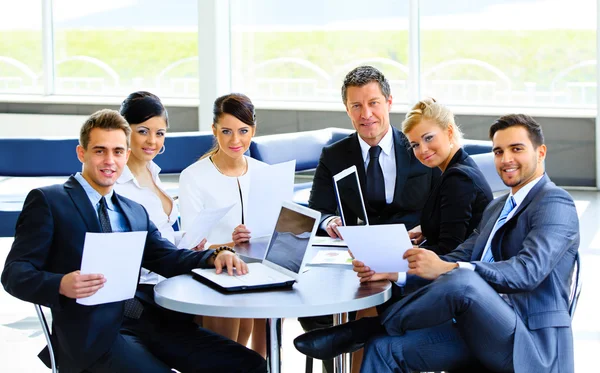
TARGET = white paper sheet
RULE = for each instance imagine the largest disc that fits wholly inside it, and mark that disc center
(117, 256)
(202, 225)
(331, 258)
(269, 187)
(380, 247)
(328, 241)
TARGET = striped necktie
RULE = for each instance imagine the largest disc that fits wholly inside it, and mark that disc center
(508, 207)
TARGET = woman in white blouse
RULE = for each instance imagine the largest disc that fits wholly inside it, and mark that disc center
(221, 178)
(139, 181)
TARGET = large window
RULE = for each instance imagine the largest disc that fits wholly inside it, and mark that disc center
(113, 47)
(527, 53)
(301, 50)
(509, 52)
(21, 47)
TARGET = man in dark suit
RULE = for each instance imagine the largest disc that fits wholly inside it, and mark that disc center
(501, 299)
(395, 184)
(127, 336)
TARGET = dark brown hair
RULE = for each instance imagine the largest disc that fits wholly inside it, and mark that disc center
(533, 128)
(104, 119)
(237, 105)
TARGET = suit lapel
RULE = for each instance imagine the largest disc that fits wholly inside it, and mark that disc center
(133, 219)
(83, 204)
(497, 239)
(532, 193)
(402, 162)
(356, 158)
(486, 231)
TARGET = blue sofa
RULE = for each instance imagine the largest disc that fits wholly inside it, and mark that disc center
(39, 158)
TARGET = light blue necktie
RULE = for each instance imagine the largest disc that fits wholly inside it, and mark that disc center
(508, 207)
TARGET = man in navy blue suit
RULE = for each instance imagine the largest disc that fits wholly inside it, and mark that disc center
(500, 299)
(128, 336)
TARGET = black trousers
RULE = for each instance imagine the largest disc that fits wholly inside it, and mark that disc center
(163, 339)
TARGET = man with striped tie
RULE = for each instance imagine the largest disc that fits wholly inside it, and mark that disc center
(500, 300)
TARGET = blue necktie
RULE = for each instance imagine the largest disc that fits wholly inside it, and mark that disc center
(375, 181)
(508, 207)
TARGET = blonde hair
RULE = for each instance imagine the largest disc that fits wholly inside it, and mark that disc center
(429, 109)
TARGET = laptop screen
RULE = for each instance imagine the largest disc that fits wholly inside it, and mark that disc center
(350, 199)
(290, 239)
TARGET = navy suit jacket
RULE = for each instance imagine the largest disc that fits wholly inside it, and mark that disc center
(456, 204)
(534, 255)
(48, 244)
(413, 182)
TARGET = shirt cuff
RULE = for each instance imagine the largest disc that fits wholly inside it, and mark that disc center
(466, 265)
(401, 279)
(326, 221)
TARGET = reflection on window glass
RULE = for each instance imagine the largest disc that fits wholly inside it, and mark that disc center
(21, 47)
(113, 47)
(301, 50)
(509, 52)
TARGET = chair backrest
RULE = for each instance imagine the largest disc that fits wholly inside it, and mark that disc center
(575, 286)
(477, 146)
(182, 149)
(304, 147)
(485, 162)
(46, 330)
(38, 157)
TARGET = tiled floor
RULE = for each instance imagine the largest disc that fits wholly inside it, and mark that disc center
(21, 337)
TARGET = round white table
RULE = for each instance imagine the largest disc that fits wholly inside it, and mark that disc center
(319, 291)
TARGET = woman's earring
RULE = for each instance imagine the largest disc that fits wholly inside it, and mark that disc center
(451, 146)
(162, 150)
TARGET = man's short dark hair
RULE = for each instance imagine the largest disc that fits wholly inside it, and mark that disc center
(362, 76)
(533, 128)
(106, 119)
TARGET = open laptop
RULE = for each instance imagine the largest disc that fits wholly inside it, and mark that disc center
(350, 204)
(284, 258)
(350, 198)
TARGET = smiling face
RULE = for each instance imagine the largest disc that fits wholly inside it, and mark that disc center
(233, 135)
(148, 138)
(517, 160)
(369, 111)
(431, 144)
(104, 158)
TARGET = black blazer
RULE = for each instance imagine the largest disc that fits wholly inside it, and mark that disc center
(49, 243)
(413, 182)
(455, 205)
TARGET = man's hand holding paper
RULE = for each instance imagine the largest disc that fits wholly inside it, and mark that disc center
(380, 248)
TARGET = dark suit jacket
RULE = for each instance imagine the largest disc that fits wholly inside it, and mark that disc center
(534, 254)
(413, 182)
(455, 205)
(48, 243)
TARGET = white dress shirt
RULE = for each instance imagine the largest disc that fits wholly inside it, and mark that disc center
(203, 186)
(128, 187)
(387, 161)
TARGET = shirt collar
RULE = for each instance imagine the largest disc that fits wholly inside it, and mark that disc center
(386, 143)
(93, 194)
(524, 191)
(127, 175)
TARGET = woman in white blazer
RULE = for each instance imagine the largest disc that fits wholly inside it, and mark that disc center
(221, 178)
